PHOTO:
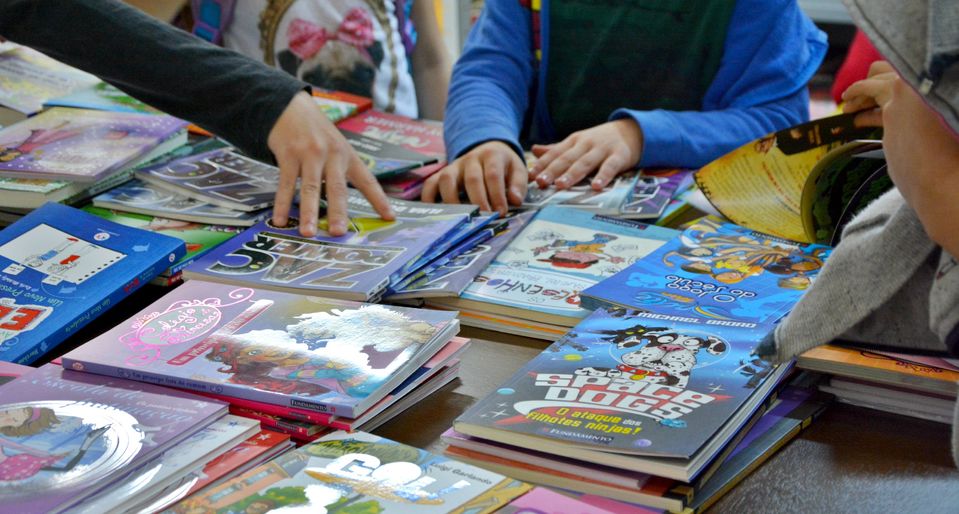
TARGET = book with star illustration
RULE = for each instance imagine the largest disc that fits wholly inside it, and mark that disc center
(290, 350)
(359, 473)
(61, 267)
(67, 436)
(631, 390)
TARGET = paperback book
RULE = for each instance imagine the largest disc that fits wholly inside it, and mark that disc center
(289, 350)
(82, 145)
(69, 435)
(28, 78)
(652, 191)
(101, 97)
(390, 144)
(363, 473)
(632, 390)
(716, 273)
(61, 267)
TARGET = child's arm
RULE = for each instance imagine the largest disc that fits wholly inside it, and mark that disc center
(431, 63)
(771, 52)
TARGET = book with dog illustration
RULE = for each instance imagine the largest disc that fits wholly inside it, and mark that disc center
(390, 144)
(716, 273)
(362, 473)
(632, 390)
(67, 435)
(61, 267)
(82, 145)
(291, 350)
(801, 183)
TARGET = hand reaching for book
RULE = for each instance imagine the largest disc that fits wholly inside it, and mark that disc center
(308, 147)
(492, 173)
(611, 148)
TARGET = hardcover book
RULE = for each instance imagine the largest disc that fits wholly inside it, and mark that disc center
(68, 435)
(561, 252)
(81, 145)
(291, 350)
(359, 472)
(61, 267)
(221, 177)
(390, 144)
(716, 273)
(632, 390)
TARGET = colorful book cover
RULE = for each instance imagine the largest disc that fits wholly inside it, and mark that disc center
(560, 253)
(358, 265)
(359, 473)
(716, 273)
(141, 197)
(253, 449)
(199, 238)
(869, 365)
(361, 103)
(582, 195)
(291, 350)
(61, 267)
(390, 144)
(289, 426)
(28, 78)
(652, 192)
(221, 177)
(335, 110)
(632, 383)
(80, 145)
(101, 97)
(411, 181)
(68, 435)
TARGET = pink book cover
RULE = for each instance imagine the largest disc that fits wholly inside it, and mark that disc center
(544, 501)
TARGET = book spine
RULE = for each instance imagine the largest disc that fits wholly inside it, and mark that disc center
(292, 414)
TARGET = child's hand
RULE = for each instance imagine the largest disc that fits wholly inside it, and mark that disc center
(307, 146)
(869, 94)
(612, 147)
(486, 171)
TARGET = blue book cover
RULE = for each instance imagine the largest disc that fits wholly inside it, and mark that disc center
(560, 253)
(716, 273)
(61, 267)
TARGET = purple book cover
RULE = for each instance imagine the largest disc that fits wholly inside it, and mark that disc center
(80, 145)
(652, 192)
(66, 435)
(315, 353)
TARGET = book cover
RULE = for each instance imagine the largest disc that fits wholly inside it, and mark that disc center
(359, 472)
(390, 144)
(609, 200)
(141, 197)
(61, 267)
(199, 238)
(266, 442)
(335, 110)
(869, 365)
(80, 145)
(631, 383)
(360, 103)
(101, 97)
(10, 371)
(652, 192)
(28, 78)
(561, 252)
(716, 273)
(539, 498)
(291, 350)
(411, 182)
(221, 177)
(68, 435)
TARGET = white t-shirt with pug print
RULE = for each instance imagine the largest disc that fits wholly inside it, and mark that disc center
(346, 45)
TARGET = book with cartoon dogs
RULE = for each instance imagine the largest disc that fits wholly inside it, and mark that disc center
(632, 390)
(313, 353)
(716, 273)
(61, 267)
(359, 473)
(390, 144)
(65, 436)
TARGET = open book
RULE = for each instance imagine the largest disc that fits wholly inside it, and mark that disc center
(803, 183)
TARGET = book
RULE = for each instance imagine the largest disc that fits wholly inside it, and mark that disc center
(222, 177)
(897, 400)
(61, 267)
(801, 183)
(390, 144)
(540, 497)
(652, 192)
(289, 350)
(363, 473)
(360, 103)
(199, 238)
(562, 251)
(101, 97)
(409, 185)
(716, 273)
(82, 145)
(607, 201)
(10, 371)
(28, 78)
(451, 276)
(273, 421)
(628, 390)
(359, 265)
(70, 435)
(878, 367)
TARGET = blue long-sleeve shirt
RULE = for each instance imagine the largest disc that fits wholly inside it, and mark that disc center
(771, 51)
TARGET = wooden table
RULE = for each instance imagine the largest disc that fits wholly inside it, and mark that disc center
(849, 460)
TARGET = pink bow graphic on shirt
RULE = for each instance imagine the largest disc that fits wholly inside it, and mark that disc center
(307, 39)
